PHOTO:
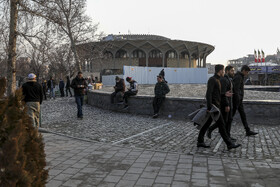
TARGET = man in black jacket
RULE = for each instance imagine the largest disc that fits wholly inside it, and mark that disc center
(79, 85)
(161, 89)
(51, 86)
(226, 104)
(33, 97)
(68, 87)
(238, 90)
(131, 91)
(213, 97)
(119, 91)
(61, 87)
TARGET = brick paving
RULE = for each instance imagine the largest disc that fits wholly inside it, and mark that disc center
(110, 149)
(74, 162)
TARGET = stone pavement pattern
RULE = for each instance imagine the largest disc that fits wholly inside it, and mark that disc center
(168, 135)
(74, 162)
(164, 156)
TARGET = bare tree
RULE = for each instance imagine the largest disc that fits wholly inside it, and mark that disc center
(73, 23)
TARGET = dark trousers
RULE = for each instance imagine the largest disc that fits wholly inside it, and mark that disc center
(239, 106)
(227, 117)
(157, 104)
(61, 92)
(222, 130)
(118, 95)
(79, 101)
(45, 94)
(127, 95)
(68, 90)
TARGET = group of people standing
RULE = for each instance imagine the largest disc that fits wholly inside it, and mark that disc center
(51, 84)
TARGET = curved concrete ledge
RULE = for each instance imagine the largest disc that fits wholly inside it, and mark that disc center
(258, 111)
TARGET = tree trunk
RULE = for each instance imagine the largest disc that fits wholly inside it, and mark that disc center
(74, 50)
(11, 63)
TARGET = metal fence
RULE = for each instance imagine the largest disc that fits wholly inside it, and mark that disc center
(147, 75)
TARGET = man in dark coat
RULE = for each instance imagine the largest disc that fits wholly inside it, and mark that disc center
(213, 97)
(61, 87)
(131, 91)
(119, 91)
(51, 87)
(68, 87)
(226, 104)
(161, 89)
(45, 88)
(33, 97)
(79, 85)
(238, 90)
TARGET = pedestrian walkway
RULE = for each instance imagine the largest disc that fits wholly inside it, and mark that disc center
(74, 162)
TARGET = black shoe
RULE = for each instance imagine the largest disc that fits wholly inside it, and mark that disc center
(233, 146)
(209, 132)
(120, 103)
(233, 139)
(155, 115)
(125, 107)
(203, 145)
(251, 133)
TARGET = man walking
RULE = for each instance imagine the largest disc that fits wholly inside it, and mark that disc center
(79, 85)
(119, 91)
(51, 86)
(68, 87)
(238, 90)
(131, 91)
(33, 97)
(161, 89)
(226, 103)
(213, 97)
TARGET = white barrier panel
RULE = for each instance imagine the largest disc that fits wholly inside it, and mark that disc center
(148, 75)
(109, 80)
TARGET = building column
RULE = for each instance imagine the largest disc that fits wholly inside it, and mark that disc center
(190, 61)
(130, 59)
(178, 61)
(204, 61)
(147, 60)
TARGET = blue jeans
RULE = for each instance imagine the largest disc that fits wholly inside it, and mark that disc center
(52, 94)
(79, 101)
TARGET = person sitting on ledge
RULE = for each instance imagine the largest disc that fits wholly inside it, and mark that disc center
(119, 91)
(161, 89)
(131, 91)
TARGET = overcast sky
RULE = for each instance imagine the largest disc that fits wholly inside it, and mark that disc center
(235, 28)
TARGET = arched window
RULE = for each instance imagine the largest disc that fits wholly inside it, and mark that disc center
(155, 54)
(184, 55)
(108, 55)
(121, 54)
(171, 54)
(138, 54)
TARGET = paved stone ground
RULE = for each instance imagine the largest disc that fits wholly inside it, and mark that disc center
(79, 163)
(118, 153)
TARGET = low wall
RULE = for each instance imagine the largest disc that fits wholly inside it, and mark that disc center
(267, 111)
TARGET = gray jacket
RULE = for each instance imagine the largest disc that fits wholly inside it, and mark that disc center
(200, 116)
